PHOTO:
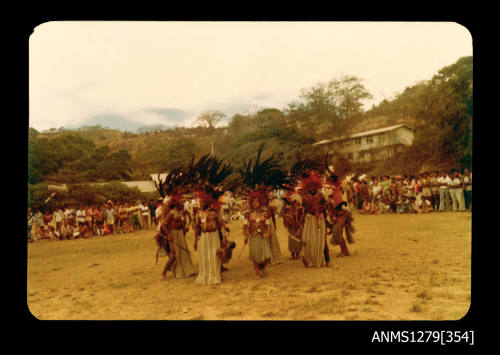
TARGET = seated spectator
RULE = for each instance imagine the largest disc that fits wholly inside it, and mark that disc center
(66, 231)
(367, 208)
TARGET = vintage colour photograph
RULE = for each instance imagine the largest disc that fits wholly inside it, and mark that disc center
(253, 170)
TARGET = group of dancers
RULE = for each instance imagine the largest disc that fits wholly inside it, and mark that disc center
(312, 210)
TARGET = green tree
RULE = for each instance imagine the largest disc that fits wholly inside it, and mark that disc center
(330, 107)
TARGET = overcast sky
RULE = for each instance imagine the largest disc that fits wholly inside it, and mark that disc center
(131, 74)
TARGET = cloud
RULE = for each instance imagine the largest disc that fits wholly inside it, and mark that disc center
(171, 114)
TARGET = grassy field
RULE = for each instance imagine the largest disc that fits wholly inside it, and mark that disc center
(403, 267)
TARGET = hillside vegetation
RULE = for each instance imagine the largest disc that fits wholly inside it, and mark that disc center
(440, 111)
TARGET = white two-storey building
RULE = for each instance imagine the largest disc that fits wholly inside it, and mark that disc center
(375, 145)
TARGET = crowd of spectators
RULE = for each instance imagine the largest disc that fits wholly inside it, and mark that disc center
(436, 191)
(73, 222)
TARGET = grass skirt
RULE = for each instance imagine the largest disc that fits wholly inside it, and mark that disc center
(314, 240)
(259, 250)
(183, 266)
(208, 262)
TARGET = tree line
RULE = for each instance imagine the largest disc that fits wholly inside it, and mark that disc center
(439, 110)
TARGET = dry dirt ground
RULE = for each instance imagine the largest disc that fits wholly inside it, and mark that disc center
(403, 267)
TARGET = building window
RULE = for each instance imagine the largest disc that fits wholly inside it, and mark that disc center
(381, 138)
(369, 139)
(357, 141)
(394, 138)
(349, 156)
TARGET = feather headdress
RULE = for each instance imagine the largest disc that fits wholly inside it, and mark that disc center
(313, 180)
(173, 183)
(303, 167)
(208, 177)
(260, 177)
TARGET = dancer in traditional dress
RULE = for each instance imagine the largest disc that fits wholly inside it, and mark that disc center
(210, 236)
(176, 222)
(257, 231)
(292, 214)
(260, 177)
(339, 214)
(314, 249)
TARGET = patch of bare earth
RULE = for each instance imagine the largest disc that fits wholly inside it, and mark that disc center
(403, 267)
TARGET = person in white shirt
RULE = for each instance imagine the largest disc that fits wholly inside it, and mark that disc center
(376, 194)
(80, 216)
(69, 215)
(58, 219)
(144, 209)
(444, 182)
(457, 192)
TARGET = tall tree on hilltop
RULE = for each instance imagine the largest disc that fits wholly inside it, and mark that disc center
(210, 119)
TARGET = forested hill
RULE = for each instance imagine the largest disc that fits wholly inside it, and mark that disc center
(439, 109)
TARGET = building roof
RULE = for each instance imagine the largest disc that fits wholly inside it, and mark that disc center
(143, 186)
(366, 133)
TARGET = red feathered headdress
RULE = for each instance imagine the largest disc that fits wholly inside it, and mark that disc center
(261, 195)
(207, 198)
(312, 180)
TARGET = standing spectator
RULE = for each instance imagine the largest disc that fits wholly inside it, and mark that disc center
(393, 188)
(444, 195)
(144, 217)
(47, 218)
(110, 218)
(426, 187)
(67, 214)
(468, 189)
(364, 193)
(152, 214)
(350, 194)
(80, 216)
(358, 202)
(385, 183)
(99, 220)
(457, 192)
(434, 189)
(89, 219)
(37, 224)
(58, 219)
(416, 186)
(376, 194)
(134, 214)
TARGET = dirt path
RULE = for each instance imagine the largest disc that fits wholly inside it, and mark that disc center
(403, 267)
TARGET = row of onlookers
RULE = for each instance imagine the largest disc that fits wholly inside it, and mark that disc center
(86, 221)
(426, 192)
